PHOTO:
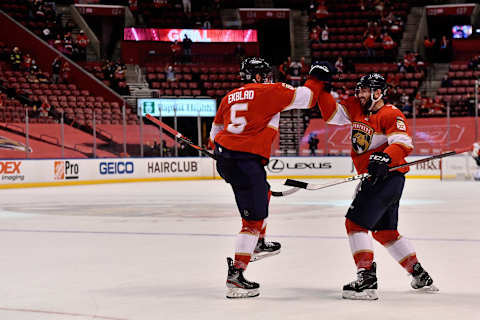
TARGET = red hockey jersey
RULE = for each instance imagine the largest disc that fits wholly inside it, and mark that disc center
(385, 130)
(248, 117)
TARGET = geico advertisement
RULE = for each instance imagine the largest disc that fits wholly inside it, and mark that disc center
(317, 166)
(116, 168)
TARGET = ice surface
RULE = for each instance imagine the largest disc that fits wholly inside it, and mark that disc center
(157, 251)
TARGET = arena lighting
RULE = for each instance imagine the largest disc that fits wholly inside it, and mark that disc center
(197, 35)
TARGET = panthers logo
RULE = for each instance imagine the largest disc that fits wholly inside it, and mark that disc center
(8, 144)
(361, 137)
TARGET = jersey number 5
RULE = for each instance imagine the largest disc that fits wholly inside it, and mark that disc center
(237, 124)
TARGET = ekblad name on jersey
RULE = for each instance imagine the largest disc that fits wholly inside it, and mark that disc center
(248, 117)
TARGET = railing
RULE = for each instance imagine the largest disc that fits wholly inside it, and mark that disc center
(127, 135)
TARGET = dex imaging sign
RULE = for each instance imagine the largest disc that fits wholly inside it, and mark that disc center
(177, 107)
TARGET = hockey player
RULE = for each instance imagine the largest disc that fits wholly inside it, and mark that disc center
(476, 157)
(380, 139)
(243, 131)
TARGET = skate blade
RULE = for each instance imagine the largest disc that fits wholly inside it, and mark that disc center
(263, 255)
(428, 289)
(367, 294)
(238, 293)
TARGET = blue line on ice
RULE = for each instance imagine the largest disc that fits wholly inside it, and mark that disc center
(217, 235)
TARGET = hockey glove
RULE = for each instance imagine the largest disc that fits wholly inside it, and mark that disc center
(378, 167)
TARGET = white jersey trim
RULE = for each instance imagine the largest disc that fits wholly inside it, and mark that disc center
(340, 117)
(400, 138)
(302, 98)
(216, 128)
(274, 122)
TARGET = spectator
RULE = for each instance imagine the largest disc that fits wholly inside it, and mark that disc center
(81, 43)
(44, 108)
(369, 44)
(68, 44)
(175, 51)
(321, 13)
(401, 66)
(32, 78)
(393, 80)
(446, 82)
(58, 43)
(39, 10)
(406, 105)
(170, 74)
(65, 72)
(379, 6)
(426, 106)
(283, 71)
(16, 58)
(295, 73)
(187, 7)
(42, 77)
(339, 65)
(119, 73)
(473, 64)
(313, 143)
(444, 49)
(389, 47)
(325, 34)
(123, 89)
(305, 69)
(36, 104)
(187, 49)
(417, 102)
(362, 5)
(428, 44)
(56, 65)
(27, 62)
(437, 107)
(314, 36)
(470, 104)
(409, 61)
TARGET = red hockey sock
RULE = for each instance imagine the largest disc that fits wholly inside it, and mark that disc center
(399, 248)
(360, 244)
(246, 242)
(409, 262)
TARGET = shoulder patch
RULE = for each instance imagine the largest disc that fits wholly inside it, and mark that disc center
(401, 124)
(288, 86)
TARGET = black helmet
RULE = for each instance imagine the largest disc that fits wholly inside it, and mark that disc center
(373, 81)
(253, 66)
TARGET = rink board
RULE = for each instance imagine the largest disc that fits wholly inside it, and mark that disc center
(32, 173)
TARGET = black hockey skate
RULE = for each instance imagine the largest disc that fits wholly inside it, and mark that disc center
(422, 280)
(265, 249)
(237, 285)
(365, 287)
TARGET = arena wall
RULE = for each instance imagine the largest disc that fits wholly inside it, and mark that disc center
(55, 172)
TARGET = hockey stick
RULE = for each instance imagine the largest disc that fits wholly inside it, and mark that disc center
(179, 136)
(204, 151)
(313, 186)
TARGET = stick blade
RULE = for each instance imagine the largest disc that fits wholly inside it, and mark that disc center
(296, 183)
